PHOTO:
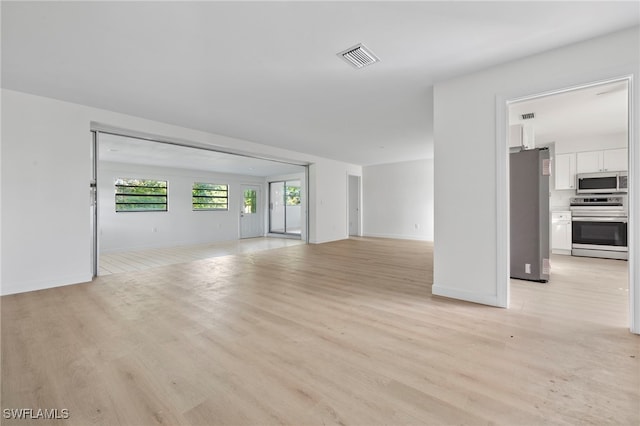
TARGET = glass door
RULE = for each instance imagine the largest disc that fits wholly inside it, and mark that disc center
(277, 211)
(285, 210)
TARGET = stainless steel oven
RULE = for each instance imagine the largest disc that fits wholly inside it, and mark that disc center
(599, 227)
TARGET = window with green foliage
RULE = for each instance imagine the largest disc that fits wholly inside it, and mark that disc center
(210, 196)
(293, 195)
(141, 195)
(250, 201)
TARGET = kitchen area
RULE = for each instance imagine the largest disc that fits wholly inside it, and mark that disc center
(580, 138)
(595, 224)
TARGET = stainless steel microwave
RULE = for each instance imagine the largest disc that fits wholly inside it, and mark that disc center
(601, 183)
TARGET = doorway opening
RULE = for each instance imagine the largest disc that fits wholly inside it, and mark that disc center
(155, 200)
(578, 234)
(353, 204)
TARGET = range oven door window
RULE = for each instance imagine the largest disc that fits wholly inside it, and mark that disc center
(599, 232)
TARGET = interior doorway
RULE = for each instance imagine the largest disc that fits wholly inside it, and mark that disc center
(149, 193)
(251, 212)
(354, 205)
(586, 131)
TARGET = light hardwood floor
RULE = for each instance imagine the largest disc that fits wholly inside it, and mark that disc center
(138, 260)
(339, 333)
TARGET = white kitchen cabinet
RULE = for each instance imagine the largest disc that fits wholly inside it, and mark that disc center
(589, 162)
(561, 232)
(565, 171)
(608, 160)
(614, 160)
(521, 136)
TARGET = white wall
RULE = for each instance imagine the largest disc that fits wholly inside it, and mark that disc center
(180, 225)
(398, 200)
(591, 143)
(45, 194)
(328, 205)
(469, 212)
(45, 186)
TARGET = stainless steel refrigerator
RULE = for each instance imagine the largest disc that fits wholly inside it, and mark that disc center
(529, 182)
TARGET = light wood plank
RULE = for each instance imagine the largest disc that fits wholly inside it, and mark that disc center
(138, 260)
(339, 333)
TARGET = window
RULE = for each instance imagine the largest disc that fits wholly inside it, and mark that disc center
(210, 196)
(293, 193)
(141, 195)
(250, 201)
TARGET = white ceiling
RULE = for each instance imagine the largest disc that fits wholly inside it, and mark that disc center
(268, 71)
(593, 111)
(122, 149)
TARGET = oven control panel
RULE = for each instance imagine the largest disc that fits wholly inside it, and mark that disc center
(597, 201)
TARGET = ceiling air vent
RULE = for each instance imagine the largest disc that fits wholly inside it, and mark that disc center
(528, 116)
(359, 56)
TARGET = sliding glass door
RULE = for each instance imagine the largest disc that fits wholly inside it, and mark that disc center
(285, 210)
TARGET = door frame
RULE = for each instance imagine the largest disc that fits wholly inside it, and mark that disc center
(93, 201)
(502, 193)
(284, 195)
(358, 181)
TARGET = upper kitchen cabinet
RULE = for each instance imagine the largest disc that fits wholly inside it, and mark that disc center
(565, 171)
(608, 160)
(614, 160)
(521, 136)
(589, 162)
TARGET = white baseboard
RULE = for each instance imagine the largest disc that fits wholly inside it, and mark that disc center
(326, 240)
(398, 236)
(467, 296)
(34, 285)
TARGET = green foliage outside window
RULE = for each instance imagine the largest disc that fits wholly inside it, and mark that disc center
(210, 196)
(293, 195)
(250, 200)
(140, 195)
